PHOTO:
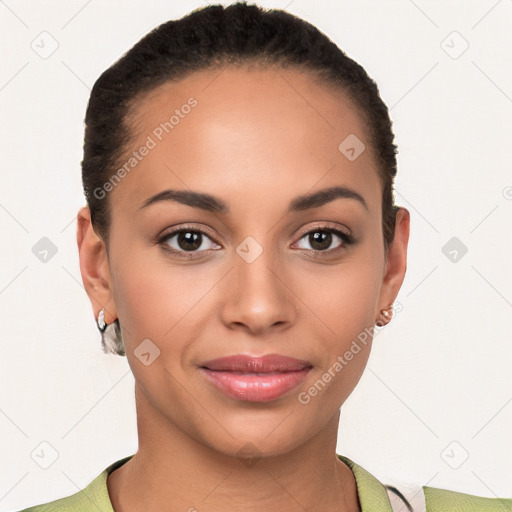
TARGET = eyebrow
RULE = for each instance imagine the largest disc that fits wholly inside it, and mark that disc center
(213, 204)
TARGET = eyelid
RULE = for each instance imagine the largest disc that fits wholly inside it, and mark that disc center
(325, 226)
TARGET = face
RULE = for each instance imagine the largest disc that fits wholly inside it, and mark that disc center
(254, 268)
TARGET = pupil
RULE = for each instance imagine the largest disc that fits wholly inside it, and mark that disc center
(189, 237)
(322, 238)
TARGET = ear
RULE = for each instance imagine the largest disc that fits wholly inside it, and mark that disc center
(94, 267)
(396, 261)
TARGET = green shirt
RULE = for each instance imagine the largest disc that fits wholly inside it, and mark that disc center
(373, 496)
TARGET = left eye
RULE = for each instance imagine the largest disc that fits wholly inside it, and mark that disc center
(321, 239)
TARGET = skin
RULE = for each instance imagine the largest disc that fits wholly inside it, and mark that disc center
(257, 139)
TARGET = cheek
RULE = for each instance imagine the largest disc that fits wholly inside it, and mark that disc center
(347, 309)
(156, 299)
(342, 301)
(140, 292)
(344, 296)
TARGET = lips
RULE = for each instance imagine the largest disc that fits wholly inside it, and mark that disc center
(250, 364)
(255, 379)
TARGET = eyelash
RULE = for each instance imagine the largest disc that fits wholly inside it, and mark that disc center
(346, 239)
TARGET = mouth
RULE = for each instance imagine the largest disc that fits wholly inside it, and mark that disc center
(256, 364)
(255, 379)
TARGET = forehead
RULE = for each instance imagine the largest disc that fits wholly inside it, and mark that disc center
(236, 128)
(260, 95)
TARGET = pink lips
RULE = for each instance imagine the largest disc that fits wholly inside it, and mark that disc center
(255, 379)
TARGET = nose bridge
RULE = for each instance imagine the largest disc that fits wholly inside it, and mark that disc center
(254, 268)
(257, 297)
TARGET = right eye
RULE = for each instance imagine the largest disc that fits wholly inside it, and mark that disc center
(185, 240)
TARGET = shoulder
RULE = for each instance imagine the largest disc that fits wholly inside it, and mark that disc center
(413, 497)
(91, 498)
(444, 500)
(94, 497)
(419, 498)
(62, 505)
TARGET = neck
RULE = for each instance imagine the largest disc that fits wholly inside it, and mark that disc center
(174, 471)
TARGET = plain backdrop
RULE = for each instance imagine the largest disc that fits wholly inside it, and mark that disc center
(434, 405)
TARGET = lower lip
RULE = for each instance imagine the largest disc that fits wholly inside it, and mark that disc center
(255, 387)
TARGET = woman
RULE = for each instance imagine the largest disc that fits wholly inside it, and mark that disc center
(240, 246)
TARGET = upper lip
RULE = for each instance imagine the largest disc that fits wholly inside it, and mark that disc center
(256, 364)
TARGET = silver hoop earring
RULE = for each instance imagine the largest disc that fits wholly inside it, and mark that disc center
(101, 321)
(111, 339)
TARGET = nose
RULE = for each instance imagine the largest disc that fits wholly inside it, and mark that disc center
(258, 299)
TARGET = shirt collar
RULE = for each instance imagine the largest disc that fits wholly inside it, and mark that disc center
(372, 494)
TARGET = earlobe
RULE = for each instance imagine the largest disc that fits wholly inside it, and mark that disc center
(396, 262)
(94, 266)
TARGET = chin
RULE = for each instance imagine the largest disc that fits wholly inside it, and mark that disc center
(251, 445)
